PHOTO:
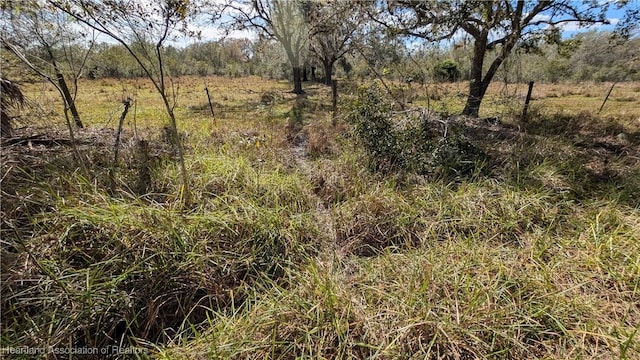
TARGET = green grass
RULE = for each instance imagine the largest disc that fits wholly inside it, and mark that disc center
(286, 254)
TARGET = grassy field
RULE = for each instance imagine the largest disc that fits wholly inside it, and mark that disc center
(295, 247)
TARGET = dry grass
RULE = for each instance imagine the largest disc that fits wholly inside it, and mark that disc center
(503, 100)
(294, 248)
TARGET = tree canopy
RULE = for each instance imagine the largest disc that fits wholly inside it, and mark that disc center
(282, 20)
(498, 26)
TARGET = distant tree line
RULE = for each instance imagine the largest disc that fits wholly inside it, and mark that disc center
(588, 56)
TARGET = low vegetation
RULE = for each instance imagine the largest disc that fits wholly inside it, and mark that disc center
(312, 235)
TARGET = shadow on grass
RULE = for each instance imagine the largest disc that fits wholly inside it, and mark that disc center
(583, 157)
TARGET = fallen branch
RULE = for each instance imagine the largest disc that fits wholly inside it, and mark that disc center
(40, 140)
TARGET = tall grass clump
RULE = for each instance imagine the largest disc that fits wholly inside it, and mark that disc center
(117, 269)
(104, 275)
(452, 299)
(11, 97)
(268, 186)
(377, 221)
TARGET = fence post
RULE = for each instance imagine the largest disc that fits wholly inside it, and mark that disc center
(526, 102)
(606, 98)
(116, 145)
(334, 93)
(206, 89)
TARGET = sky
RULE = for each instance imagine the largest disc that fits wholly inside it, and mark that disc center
(569, 30)
(212, 32)
(613, 15)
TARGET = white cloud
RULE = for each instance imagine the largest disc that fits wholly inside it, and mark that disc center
(575, 26)
(541, 17)
(571, 26)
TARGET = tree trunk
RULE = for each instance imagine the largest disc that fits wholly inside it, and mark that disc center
(476, 92)
(479, 84)
(313, 74)
(476, 85)
(297, 80)
(328, 72)
(69, 99)
(304, 73)
(66, 94)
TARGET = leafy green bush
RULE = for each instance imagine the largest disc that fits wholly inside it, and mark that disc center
(373, 126)
(447, 70)
(407, 140)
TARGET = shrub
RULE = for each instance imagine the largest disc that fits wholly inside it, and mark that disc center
(455, 156)
(447, 70)
(372, 125)
(407, 140)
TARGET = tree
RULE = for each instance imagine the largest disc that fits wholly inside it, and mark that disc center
(602, 57)
(269, 59)
(142, 28)
(40, 37)
(499, 26)
(377, 51)
(629, 27)
(112, 60)
(335, 26)
(282, 20)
